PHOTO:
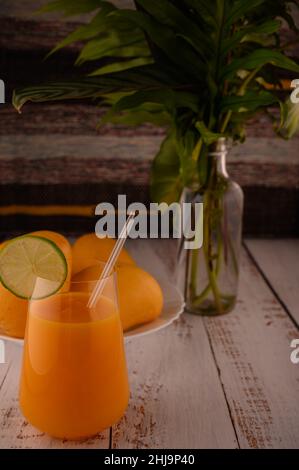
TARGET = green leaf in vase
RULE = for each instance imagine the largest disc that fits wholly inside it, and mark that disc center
(240, 8)
(174, 48)
(208, 136)
(115, 44)
(71, 7)
(167, 14)
(122, 65)
(166, 182)
(141, 78)
(95, 27)
(250, 33)
(169, 98)
(257, 59)
(147, 113)
(250, 101)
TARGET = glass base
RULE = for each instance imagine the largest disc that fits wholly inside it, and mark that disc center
(208, 308)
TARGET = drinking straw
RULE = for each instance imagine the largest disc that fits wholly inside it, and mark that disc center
(97, 291)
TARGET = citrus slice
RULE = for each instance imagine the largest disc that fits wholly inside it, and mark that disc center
(32, 267)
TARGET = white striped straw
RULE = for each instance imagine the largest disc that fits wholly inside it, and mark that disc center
(97, 291)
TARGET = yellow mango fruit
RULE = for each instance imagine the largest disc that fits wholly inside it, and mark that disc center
(88, 250)
(140, 296)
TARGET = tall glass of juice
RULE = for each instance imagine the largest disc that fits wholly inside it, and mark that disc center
(74, 380)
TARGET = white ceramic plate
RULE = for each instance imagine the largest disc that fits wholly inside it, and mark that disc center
(173, 307)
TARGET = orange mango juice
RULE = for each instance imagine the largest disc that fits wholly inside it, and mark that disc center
(74, 380)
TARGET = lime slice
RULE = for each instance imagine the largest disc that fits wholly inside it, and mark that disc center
(32, 267)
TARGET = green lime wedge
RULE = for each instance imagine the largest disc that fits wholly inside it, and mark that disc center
(32, 267)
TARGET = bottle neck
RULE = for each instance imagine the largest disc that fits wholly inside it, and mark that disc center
(221, 165)
(218, 155)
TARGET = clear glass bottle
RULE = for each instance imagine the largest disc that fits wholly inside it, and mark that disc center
(212, 271)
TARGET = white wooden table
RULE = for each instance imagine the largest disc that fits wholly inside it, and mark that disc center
(202, 383)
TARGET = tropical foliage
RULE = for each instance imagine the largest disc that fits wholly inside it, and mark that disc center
(202, 68)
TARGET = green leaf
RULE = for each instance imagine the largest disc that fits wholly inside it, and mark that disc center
(116, 44)
(250, 101)
(141, 78)
(258, 59)
(175, 49)
(186, 143)
(208, 136)
(203, 164)
(248, 33)
(170, 99)
(71, 7)
(123, 65)
(204, 9)
(147, 113)
(240, 8)
(97, 25)
(166, 183)
(57, 91)
(167, 14)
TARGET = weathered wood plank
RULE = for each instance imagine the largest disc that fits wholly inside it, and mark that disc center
(176, 397)
(71, 118)
(21, 35)
(15, 431)
(252, 351)
(81, 118)
(26, 159)
(71, 159)
(279, 262)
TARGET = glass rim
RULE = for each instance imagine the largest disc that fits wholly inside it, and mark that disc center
(94, 281)
(90, 282)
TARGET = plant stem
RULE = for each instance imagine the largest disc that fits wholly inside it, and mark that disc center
(197, 150)
(233, 254)
(205, 292)
(226, 121)
(213, 284)
(194, 267)
(241, 92)
(200, 298)
(208, 254)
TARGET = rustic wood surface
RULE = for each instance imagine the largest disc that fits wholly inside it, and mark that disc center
(201, 383)
(252, 350)
(30, 159)
(279, 264)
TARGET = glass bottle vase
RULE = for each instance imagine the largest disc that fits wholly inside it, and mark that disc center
(212, 272)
